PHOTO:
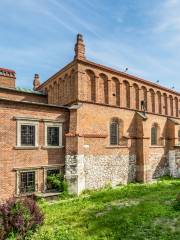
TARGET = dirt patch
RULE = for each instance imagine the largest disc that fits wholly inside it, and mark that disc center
(118, 204)
(124, 203)
(173, 224)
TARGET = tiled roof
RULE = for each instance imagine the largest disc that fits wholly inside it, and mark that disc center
(25, 90)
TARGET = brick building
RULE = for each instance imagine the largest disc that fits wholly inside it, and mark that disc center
(94, 124)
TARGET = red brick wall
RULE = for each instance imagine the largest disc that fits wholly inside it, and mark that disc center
(7, 82)
(11, 158)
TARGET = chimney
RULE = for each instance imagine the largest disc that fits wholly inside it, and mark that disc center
(36, 82)
(79, 47)
(7, 78)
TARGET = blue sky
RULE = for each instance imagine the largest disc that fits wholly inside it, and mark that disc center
(38, 36)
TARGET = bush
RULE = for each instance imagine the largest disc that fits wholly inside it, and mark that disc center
(18, 216)
(57, 182)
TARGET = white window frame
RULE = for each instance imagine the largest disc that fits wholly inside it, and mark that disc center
(31, 123)
(60, 126)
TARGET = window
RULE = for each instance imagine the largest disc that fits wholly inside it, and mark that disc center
(154, 140)
(27, 135)
(50, 186)
(27, 182)
(53, 135)
(114, 136)
(179, 137)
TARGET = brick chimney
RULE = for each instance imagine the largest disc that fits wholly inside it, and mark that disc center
(79, 47)
(36, 82)
(7, 78)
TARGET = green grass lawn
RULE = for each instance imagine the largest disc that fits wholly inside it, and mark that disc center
(135, 211)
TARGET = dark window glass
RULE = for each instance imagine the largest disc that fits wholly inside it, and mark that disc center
(53, 136)
(28, 135)
(114, 128)
(179, 137)
(154, 135)
(27, 182)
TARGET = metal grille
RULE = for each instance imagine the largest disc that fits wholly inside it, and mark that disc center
(27, 135)
(53, 136)
(27, 182)
(114, 128)
(154, 135)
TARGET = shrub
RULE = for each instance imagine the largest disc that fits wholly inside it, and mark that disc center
(18, 216)
(57, 182)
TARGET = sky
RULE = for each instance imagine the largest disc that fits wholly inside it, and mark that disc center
(38, 36)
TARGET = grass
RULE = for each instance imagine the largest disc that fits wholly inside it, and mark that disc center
(135, 211)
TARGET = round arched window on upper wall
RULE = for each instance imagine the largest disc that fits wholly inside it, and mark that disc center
(114, 133)
(155, 134)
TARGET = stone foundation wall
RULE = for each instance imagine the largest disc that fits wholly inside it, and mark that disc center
(158, 162)
(174, 163)
(93, 172)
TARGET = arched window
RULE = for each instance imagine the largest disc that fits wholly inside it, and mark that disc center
(179, 137)
(114, 133)
(154, 134)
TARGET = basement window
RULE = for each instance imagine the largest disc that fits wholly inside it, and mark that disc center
(27, 182)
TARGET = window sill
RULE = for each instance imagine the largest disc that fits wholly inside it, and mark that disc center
(156, 146)
(25, 194)
(26, 147)
(117, 146)
(52, 147)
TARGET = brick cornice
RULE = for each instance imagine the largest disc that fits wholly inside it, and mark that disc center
(138, 79)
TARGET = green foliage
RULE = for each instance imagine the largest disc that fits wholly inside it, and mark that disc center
(57, 182)
(18, 216)
(135, 212)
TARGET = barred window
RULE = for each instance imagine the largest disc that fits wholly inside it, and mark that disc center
(114, 129)
(28, 135)
(53, 136)
(154, 135)
(27, 182)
